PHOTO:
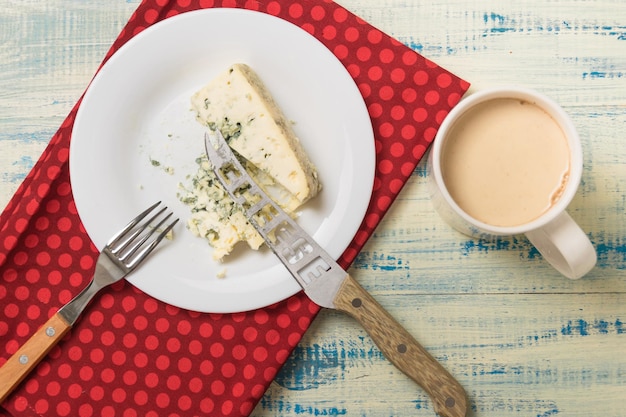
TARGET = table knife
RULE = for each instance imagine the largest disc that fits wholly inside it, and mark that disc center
(330, 286)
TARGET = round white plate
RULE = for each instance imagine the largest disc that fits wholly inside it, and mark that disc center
(137, 110)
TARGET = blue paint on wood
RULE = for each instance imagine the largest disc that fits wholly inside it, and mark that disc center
(549, 413)
(518, 406)
(582, 327)
(37, 136)
(508, 243)
(24, 165)
(499, 24)
(591, 75)
(416, 46)
(421, 171)
(315, 411)
(420, 404)
(374, 261)
(494, 17)
(282, 407)
(311, 366)
(578, 327)
(611, 251)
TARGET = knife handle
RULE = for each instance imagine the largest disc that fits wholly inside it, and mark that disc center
(402, 349)
(19, 365)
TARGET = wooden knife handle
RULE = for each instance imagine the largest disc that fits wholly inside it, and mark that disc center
(402, 349)
(30, 354)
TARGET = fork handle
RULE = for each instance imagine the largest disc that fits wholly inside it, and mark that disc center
(397, 344)
(19, 365)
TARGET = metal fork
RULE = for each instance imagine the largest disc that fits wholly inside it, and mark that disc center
(121, 255)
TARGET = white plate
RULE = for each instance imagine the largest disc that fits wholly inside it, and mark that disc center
(137, 110)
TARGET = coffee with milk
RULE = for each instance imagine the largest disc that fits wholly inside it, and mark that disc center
(505, 162)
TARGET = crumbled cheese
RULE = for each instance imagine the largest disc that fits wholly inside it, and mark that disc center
(214, 215)
(157, 164)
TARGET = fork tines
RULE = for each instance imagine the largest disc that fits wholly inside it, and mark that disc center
(127, 243)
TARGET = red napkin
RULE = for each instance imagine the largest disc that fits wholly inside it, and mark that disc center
(132, 355)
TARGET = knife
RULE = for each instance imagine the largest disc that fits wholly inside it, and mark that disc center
(328, 285)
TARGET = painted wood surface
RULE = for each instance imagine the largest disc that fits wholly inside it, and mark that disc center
(521, 339)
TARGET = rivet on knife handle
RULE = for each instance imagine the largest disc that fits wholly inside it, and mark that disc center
(327, 284)
(402, 349)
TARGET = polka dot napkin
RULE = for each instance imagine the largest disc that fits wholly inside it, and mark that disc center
(131, 355)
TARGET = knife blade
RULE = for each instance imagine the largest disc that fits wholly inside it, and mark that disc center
(329, 285)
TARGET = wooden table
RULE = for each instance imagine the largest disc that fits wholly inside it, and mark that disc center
(523, 340)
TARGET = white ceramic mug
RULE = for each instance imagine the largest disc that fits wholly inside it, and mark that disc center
(553, 232)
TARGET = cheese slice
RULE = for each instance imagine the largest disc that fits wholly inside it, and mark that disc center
(240, 106)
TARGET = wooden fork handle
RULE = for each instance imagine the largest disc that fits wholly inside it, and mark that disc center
(18, 366)
(402, 349)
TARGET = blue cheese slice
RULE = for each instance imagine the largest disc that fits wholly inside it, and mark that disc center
(240, 106)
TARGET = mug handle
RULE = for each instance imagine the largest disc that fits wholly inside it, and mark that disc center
(565, 246)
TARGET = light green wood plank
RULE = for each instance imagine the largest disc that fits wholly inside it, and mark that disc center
(530, 354)
(49, 51)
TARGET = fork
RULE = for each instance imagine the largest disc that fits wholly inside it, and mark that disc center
(121, 255)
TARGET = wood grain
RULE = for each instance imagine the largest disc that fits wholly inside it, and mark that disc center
(521, 339)
(448, 396)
